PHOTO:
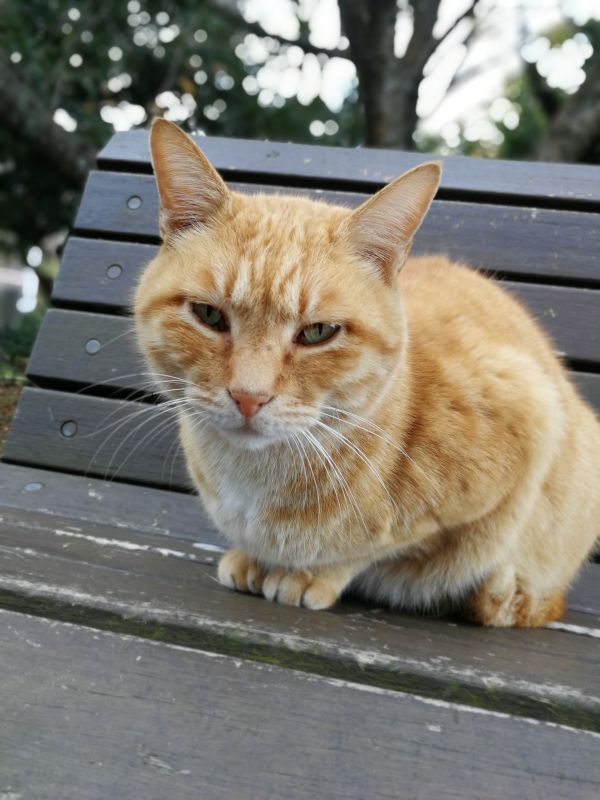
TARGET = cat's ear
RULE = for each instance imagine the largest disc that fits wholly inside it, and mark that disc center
(382, 229)
(190, 189)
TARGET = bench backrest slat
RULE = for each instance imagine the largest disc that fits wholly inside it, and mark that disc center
(536, 184)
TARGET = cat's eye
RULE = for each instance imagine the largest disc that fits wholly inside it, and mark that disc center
(210, 316)
(317, 333)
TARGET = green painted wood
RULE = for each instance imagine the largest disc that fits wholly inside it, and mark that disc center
(548, 244)
(533, 183)
(113, 578)
(143, 719)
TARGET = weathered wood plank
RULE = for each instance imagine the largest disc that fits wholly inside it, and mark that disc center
(110, 578)
(178, 722)
(62, 350)
(98, 351)
(97, 437)
(78, 502)
(42, 499)
(293, 164)
(548, 244)
(100, 272)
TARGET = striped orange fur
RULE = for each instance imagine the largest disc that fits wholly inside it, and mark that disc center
(431, 450)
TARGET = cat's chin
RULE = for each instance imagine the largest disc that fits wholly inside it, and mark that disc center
(248, 439)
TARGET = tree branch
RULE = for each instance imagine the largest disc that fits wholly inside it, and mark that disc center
(229, 10)
(27, 118)
(465, 15)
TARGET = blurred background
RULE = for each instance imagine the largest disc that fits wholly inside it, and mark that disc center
(515, 79)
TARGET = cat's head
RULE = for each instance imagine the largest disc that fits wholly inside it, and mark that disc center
(273, 312)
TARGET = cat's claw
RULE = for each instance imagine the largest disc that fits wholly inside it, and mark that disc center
(293, 588)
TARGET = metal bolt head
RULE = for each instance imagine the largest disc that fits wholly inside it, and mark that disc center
(92, 346)
(69, 429)
(134, 202)
(114, 271)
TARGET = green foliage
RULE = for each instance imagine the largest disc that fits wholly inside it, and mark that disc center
(16, 344)
(190, 52)
(520, 142)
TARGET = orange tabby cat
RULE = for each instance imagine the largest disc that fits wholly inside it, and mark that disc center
(355, 418)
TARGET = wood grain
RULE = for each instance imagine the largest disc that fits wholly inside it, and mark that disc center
(548, 244)
(112, 439)
(73, 501)
(57, 500)
(141, 719)
(292, 164)
(86, 264)
(140, 583)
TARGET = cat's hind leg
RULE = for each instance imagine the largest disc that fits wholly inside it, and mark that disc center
(502, 601)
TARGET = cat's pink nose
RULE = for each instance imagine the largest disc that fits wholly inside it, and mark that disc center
(249, 403)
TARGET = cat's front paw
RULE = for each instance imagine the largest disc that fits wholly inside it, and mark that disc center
(298, 588)
(290, 587)
(239, 571)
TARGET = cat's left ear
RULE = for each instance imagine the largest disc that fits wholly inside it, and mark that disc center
(382, 229)
(190, 190)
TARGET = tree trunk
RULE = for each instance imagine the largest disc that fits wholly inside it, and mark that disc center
(25, 115)
(388, 86)
(370, 29)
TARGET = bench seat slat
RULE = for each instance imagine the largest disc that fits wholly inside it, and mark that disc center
(76, 504)
(295, 164)
(550, 674)
(60, 353)
(178, 712)
(551, 245)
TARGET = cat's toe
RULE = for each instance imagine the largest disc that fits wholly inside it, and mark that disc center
(255, 577)
(319, 595)
(298, 589)
(271, 583)
(286, 587)
(233, 570)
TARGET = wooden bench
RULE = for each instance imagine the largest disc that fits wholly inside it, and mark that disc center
(128, 671)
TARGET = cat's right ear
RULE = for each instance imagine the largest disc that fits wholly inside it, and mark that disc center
(382, 229)
(190, 189)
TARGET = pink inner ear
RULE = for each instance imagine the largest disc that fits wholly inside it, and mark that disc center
(190, 190)
(382, 229)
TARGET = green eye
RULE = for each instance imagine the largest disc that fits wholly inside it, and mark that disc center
(210, 316)
(317, 333)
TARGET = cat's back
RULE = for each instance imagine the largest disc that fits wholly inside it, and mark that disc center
(454, 311)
